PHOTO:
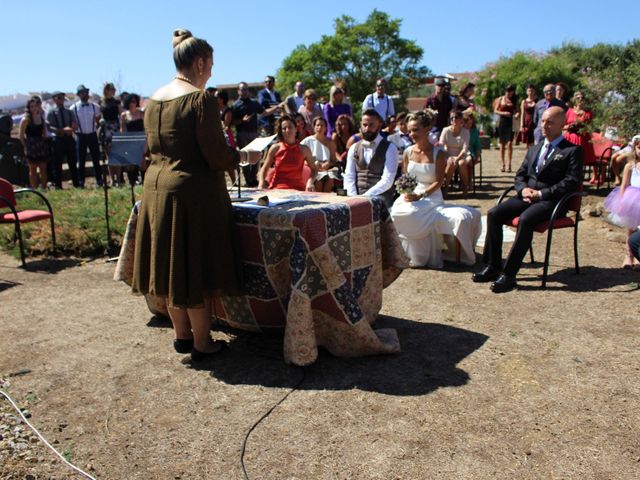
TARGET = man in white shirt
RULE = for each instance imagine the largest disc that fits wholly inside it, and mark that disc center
(87, 115)
(372, 162)
(380, 101)
(294, 101)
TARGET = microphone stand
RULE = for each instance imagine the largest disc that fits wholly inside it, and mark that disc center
(240, 198)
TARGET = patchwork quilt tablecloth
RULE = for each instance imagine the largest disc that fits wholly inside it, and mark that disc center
(315, 266)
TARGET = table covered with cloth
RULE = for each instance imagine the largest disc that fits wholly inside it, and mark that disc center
(315, 266)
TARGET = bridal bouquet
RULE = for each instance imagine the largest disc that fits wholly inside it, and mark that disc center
(406, 183)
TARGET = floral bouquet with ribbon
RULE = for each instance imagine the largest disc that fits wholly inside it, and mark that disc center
(406, 183)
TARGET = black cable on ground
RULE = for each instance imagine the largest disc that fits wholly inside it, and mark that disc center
(246, 436)
(262, 352)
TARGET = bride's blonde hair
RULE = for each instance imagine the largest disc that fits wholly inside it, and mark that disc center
(425, 118)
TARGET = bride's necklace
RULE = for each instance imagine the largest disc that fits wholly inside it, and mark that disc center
(418, 151)
(184, 79)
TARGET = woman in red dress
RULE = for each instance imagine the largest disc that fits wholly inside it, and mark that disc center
(288, 158)
(527, 108)
(576, 130)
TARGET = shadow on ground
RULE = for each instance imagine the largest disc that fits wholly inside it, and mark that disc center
(590, 279)
(428, 361)
(50, 265)
(7, 284)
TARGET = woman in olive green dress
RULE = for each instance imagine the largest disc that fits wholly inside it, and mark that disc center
(185, 249)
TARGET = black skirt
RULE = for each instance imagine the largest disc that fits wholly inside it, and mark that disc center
(38, 149)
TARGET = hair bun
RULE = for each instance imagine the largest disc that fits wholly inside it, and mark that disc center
(180, 35)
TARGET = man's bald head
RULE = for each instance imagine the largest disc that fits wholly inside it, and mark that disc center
(553, 120)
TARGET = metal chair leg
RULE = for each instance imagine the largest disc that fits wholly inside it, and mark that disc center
(546, 258)
(575, 247)
(18, 233)
(53, 233)
(473, 176)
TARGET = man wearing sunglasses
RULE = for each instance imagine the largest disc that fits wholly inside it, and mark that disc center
(270, 100)
(547, 102)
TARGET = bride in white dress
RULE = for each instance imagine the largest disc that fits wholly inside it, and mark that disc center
(430, 230)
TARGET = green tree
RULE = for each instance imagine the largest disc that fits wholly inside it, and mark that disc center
(616, 89)
(358, 53)
(521, 69)
(609, 75)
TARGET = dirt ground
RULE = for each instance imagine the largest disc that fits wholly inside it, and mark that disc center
(532, 384)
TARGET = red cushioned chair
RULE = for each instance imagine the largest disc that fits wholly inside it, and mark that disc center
(573, 202)
(603, 150)
(15, 216)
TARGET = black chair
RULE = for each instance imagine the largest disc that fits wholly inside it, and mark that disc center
(572, 201)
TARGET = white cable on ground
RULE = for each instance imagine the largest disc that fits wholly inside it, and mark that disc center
(81, 472)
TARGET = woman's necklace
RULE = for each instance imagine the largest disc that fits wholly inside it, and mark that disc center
(418, 151)
(184, 79)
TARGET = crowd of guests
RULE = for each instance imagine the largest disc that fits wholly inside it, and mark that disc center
(366, 162)
(65, 134)
(521, 122)
(328, 128)
(186, 250)
(318, 147)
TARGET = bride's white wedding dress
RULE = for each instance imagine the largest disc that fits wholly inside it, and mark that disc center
(428, 227)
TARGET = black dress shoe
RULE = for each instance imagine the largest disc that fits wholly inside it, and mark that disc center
(487, 274)
(183, 345)
(504, 283)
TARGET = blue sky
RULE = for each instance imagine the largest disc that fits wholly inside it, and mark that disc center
(57, 45)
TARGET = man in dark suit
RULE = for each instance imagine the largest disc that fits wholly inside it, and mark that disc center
(270, 100)
(549, 170)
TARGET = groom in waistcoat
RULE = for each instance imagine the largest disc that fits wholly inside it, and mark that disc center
(372, 162)
(549, 170)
